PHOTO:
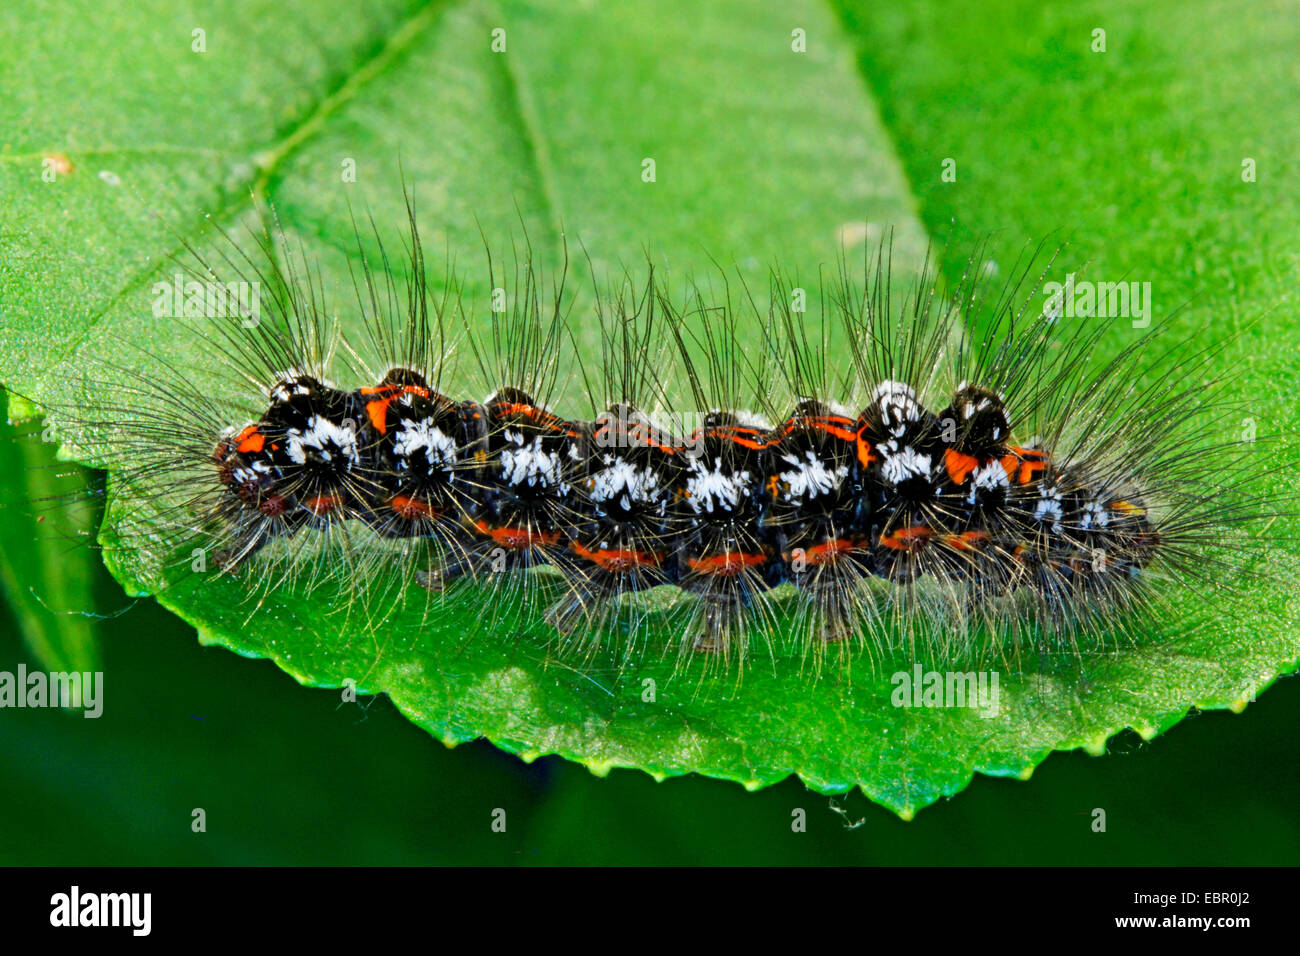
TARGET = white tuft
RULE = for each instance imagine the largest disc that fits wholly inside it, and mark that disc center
(531, 464)
(425, 436)
(900, 464)
(811, 477)
(621, 479)
(322, 438)
(715, 490)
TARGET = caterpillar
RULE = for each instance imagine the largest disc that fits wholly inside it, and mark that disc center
(950, 468)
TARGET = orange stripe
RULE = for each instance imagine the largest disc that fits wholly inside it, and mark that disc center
(835, 427)
(911, 538)
(832, 425)
(616, 560)
(412, 508)
(959, 466)
(536, 415)
(966, 541)
(1022, 464)
(377, 411)
(733, 433)
(1029, 469)
(321, 504)
(725, 565)
(865, 458)
(828, 552)
(1032, 453)
(250, 440)
(516, 538)
(392, 390)
(642, 434)
(638, 433)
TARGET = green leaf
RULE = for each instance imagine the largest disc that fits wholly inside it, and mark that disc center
(761, 154)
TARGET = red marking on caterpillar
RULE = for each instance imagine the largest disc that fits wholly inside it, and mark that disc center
(726, 564)
(913, 538)
(250, 440)
(412, 509)
(516, 538)
(792, 499)
(960, 466)
(1025, 464)
(826, 553)
(615, 560)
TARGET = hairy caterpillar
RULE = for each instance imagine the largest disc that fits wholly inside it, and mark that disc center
(950, 469)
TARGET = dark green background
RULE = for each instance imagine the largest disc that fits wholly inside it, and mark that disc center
(1144, 146)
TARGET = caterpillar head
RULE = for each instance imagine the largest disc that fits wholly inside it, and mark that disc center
(245, 466)
(300, 454)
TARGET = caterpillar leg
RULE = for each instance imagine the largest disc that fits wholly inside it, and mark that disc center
(724, 622)
(719, 625)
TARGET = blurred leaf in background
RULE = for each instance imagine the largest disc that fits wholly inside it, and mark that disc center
(46, 572)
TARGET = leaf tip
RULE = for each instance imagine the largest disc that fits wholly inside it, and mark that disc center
(1147, 732)
(1095, 747)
